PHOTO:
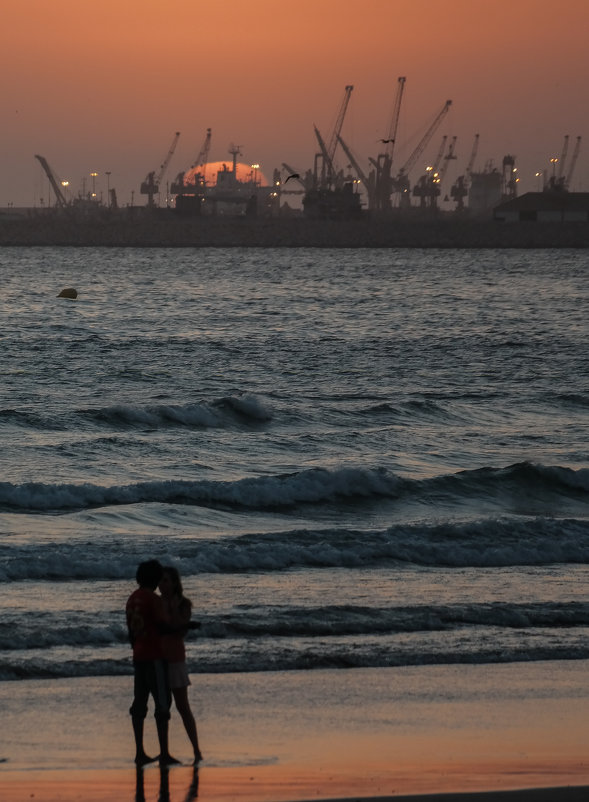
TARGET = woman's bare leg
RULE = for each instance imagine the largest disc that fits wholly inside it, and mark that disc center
(183, 707)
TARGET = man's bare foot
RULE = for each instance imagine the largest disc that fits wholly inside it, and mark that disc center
(141, 759)
(168, 760)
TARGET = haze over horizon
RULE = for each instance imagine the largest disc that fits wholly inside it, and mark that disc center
(102, 87)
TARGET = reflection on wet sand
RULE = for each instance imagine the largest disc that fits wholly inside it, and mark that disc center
(164, 790)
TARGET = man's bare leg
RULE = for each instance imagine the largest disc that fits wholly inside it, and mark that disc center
(141, 759)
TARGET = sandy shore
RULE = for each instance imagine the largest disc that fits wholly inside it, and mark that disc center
(443, 733)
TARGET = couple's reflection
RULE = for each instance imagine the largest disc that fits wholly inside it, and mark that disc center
(164, 794)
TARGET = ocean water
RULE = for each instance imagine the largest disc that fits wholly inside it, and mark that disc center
(355, 458)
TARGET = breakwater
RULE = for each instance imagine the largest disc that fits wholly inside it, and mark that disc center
(393, 232)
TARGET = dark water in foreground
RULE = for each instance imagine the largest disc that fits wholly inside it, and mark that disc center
(354, 457)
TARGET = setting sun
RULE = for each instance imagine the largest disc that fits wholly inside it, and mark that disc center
(222, 172)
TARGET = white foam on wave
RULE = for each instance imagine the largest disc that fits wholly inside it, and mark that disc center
(310, 486)
(215, 414)
(486, 543)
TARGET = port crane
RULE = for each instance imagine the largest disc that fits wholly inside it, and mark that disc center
(392, 132)
(450, 156)
(178, 187)
(60, 200)
(460, 189)
(384, 162)
(327, 151)
(368, 183)
(561, 162)
(428, 186)
(574, 157)
(560, 180)
(555, 182)
(401, 182)
(151, 185)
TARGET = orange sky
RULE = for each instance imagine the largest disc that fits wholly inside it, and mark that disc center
(97, 85)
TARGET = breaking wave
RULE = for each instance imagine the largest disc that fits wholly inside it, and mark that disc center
(241, 409)
(487, 543)
(312, 486)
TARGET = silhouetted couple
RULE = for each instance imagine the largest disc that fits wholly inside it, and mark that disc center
(157, 626)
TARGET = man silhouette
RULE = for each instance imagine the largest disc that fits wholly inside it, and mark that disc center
(145, 622)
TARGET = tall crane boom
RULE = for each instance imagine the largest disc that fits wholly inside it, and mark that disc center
(392, 132)
(368, 185)
(327, 166)
(339, 123)
(203, 156)
(328, 150)
(561, 161)
(353, 161)
(438, 158)
(381, 180)
(151, 185)
(59, 196)
(473, 155)
(177, 186)
(422, 144)
(574, 158)
(450, 156)
(461, 188)
(166, 161)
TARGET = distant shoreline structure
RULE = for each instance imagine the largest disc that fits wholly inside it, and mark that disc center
(165, 229)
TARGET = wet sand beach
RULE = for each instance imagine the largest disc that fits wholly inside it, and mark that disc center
(436, 732)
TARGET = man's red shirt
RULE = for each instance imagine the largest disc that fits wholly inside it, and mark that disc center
(144, 616)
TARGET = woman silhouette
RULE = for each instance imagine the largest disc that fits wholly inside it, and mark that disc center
(177, 610)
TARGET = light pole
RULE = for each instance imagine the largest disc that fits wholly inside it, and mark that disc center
(93, 175)
(554, 162)
(107, 173)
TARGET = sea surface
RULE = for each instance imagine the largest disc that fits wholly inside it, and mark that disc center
(355, 458)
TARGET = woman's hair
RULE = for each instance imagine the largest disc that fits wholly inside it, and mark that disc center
(176, 583)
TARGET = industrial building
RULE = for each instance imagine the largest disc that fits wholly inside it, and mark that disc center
(545, 207)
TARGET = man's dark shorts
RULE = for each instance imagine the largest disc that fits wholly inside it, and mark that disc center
(151, 677)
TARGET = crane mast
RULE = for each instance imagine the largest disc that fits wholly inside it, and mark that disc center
(473, 155)
(327, 152)
(450, 156)
(561, 161)
(556, 182)
(203, 156)
(59, 196)
(178, 187)
(383, 183)
(359, 171)
(151, 185)
(392, 132)
(402, 180)
(573, 163)
(460, 189)
(428, 186)
(424, 141)
(438, 158)
(339, 123)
